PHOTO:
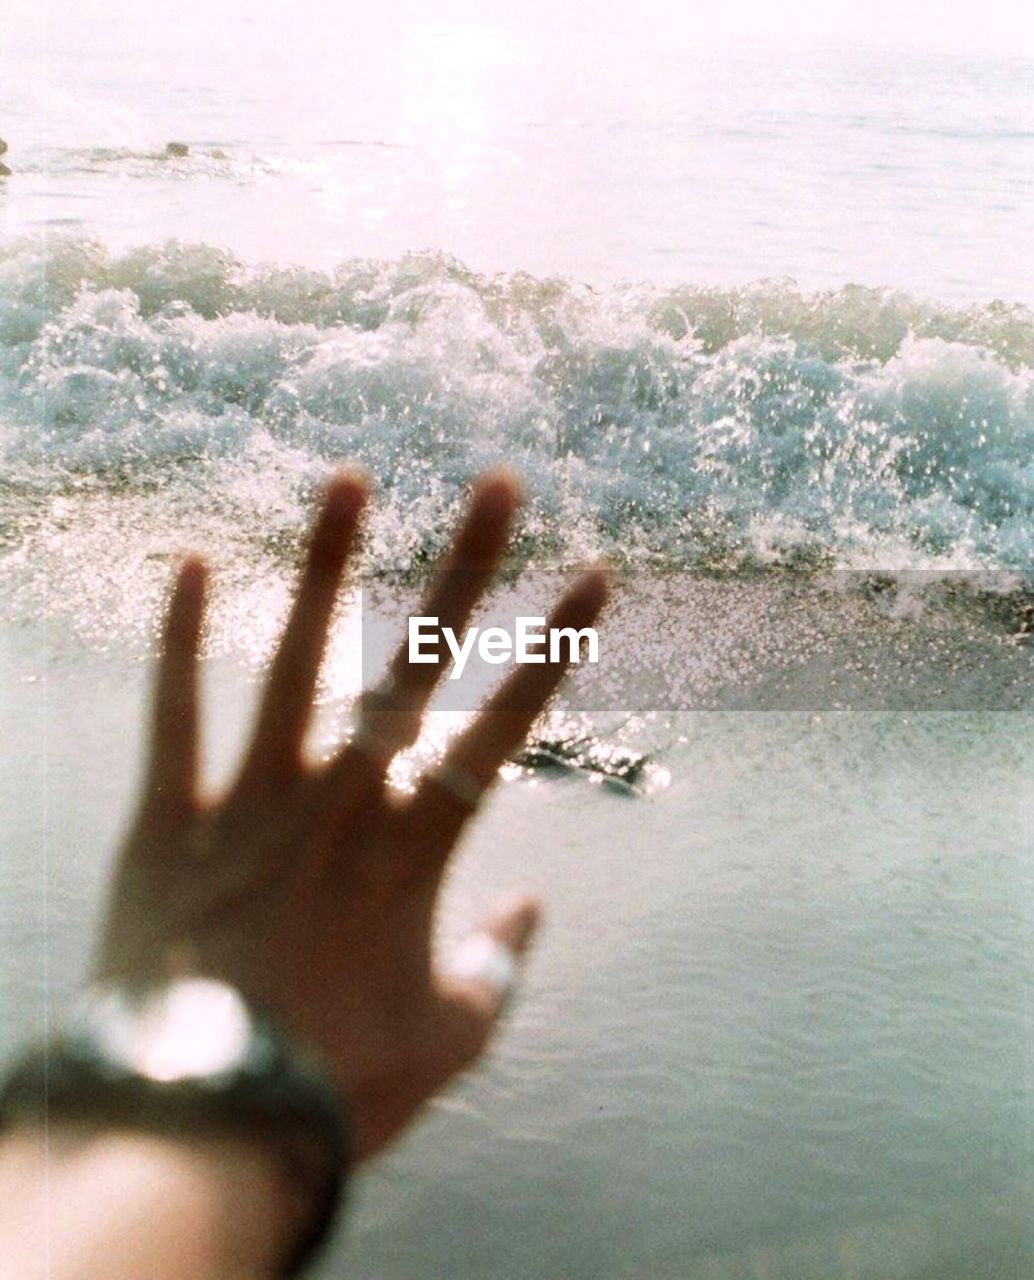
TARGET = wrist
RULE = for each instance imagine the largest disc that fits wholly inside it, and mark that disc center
(213, 1208)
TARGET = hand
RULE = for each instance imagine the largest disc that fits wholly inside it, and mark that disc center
(313, 888)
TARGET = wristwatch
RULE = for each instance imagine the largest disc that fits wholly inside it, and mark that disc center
(191, 1058)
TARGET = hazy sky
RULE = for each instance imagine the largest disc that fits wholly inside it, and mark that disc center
(959, 25)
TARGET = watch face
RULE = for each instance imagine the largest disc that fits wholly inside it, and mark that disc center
(192, 1029)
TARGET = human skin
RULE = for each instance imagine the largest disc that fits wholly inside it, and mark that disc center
(311, 887)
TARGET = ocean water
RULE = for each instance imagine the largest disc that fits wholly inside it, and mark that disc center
(604, 143)
(755, 321)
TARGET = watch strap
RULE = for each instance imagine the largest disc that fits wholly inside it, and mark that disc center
(274, 1092)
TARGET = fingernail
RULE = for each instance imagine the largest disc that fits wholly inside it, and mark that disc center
(345, 493)
(499, 489)
(593, 586)
(191, 574)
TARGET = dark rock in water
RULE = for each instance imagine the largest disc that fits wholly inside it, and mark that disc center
(4, 171)
(616, 767)
(1011, 612)
(3, 147)
(1025, 634)
(177, 150)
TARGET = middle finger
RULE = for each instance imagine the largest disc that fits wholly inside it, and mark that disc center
(389, 716)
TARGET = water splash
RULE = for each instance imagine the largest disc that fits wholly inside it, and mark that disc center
(172, 392)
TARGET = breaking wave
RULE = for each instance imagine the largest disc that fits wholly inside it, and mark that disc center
(677, 426)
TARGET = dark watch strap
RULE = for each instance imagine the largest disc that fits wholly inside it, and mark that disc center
(270, 1091)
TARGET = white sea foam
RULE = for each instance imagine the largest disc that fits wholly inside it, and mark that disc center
(661, 426)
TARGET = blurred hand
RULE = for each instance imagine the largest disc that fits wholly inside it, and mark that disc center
(313, 888)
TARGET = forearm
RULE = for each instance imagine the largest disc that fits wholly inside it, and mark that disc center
(121, 1206)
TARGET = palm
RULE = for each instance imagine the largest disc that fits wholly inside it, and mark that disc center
(313, 889)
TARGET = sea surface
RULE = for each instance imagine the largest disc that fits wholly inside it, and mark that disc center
(755, 321)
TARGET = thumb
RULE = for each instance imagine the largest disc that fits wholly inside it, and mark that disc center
(484, 968)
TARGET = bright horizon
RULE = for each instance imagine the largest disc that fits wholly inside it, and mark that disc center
(956, 26)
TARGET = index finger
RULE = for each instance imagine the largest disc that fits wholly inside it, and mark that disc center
(287, 702)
